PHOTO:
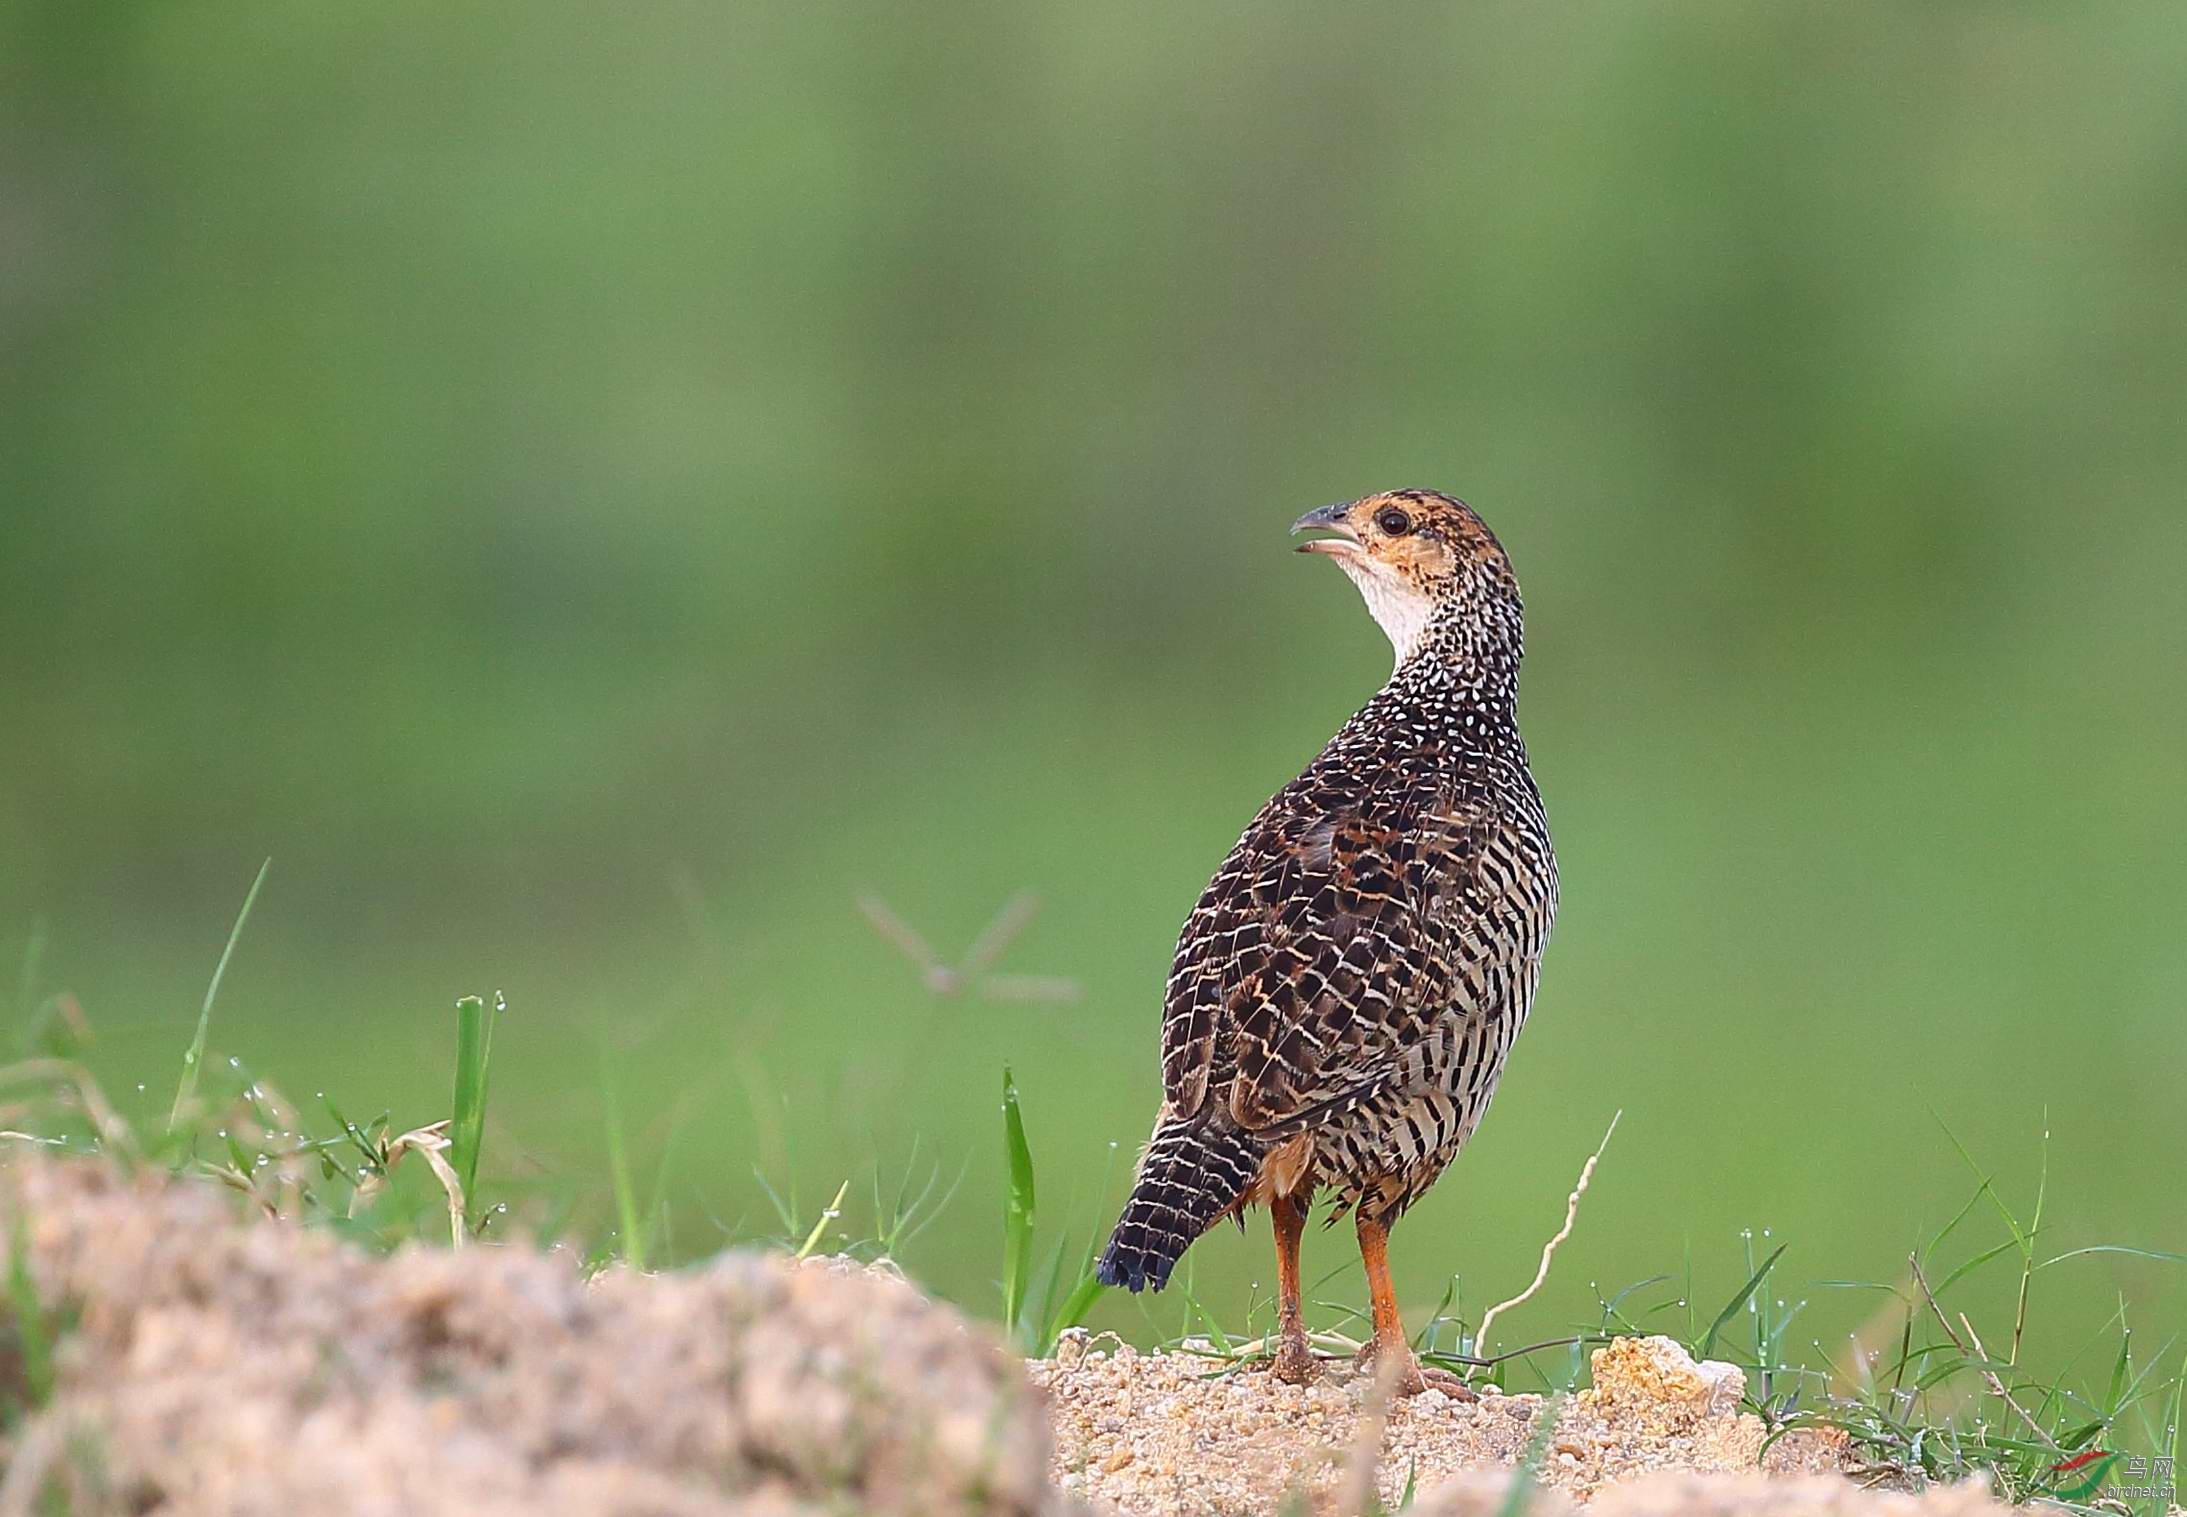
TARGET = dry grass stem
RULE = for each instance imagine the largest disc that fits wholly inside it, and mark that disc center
(73, 1081)
(430, 1143)
(1267, 1343)
(1978, 1355)
(949, 980)
(1549, 1249)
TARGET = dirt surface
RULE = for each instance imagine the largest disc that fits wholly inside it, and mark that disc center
(205, 1363)
(1151, 1435)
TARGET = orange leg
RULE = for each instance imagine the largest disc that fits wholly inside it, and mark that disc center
(1389, 1350)
(1294, 1360)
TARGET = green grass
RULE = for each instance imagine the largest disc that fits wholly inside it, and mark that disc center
(1934, 1391)
(26, 1350)
(186, 1087)
(467, 1126)
(1035, 1319)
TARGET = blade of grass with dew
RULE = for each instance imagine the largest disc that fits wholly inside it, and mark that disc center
(2171, 1428)
(626, 1195)
(467, 1123)
(195, 1053)
(2120, 1368)
(1017, 1213)
(2159, 1255)
(785, 1211)
(1088, 1288)
(1611, 1309)
(828, 1213)
(2027, 1253)
(1731, 1309)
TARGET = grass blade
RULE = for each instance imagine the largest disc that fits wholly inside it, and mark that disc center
(1017, 1211)
(2171, 1420)
(2119, 1371)
(2161, 1256)
(1952, 1226)
(1073, 1311)
(1731, 1309)
(467, 1123)
(186, 1090)
(626, 1194)
(828, 1213)
(33, 1344)
(1975, 1263)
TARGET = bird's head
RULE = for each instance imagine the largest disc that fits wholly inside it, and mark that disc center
(1419, 558)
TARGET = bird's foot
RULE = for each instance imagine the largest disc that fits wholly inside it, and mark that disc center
(1408, 1376)
(1293, 1361)
(1450, 1384)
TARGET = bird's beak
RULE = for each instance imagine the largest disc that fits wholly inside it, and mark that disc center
(1328, 519)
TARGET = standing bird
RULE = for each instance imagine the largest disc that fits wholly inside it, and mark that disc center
(1347, 989)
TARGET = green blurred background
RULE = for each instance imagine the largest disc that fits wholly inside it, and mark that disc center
(591, 492)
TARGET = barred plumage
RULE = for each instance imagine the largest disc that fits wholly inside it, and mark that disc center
(1188, 1177)
(1348, 987)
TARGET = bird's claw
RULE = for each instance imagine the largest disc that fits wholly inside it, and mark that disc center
(1452, 1385)
(1409, 1377)
(1293, 1362)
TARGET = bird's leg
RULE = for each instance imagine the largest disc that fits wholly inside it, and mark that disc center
(1389, 1352)
(1294, 1359)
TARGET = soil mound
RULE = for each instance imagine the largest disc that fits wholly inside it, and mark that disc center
(206, 1365)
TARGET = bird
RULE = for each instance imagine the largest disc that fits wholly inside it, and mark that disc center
(1347, 989)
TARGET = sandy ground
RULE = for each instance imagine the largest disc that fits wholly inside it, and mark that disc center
(1177, 1433)
(204, 1362)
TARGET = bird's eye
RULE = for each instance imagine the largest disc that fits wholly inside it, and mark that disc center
(1392, 521)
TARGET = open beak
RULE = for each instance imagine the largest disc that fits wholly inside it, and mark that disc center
(1328, 519)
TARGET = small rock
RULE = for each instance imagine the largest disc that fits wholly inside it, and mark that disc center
(1656, 1382)
(1727, 1385)
(1071, 1347)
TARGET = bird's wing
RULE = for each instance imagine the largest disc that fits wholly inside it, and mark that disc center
(1322, 947)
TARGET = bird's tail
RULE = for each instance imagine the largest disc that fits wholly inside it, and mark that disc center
(1189, 1176)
